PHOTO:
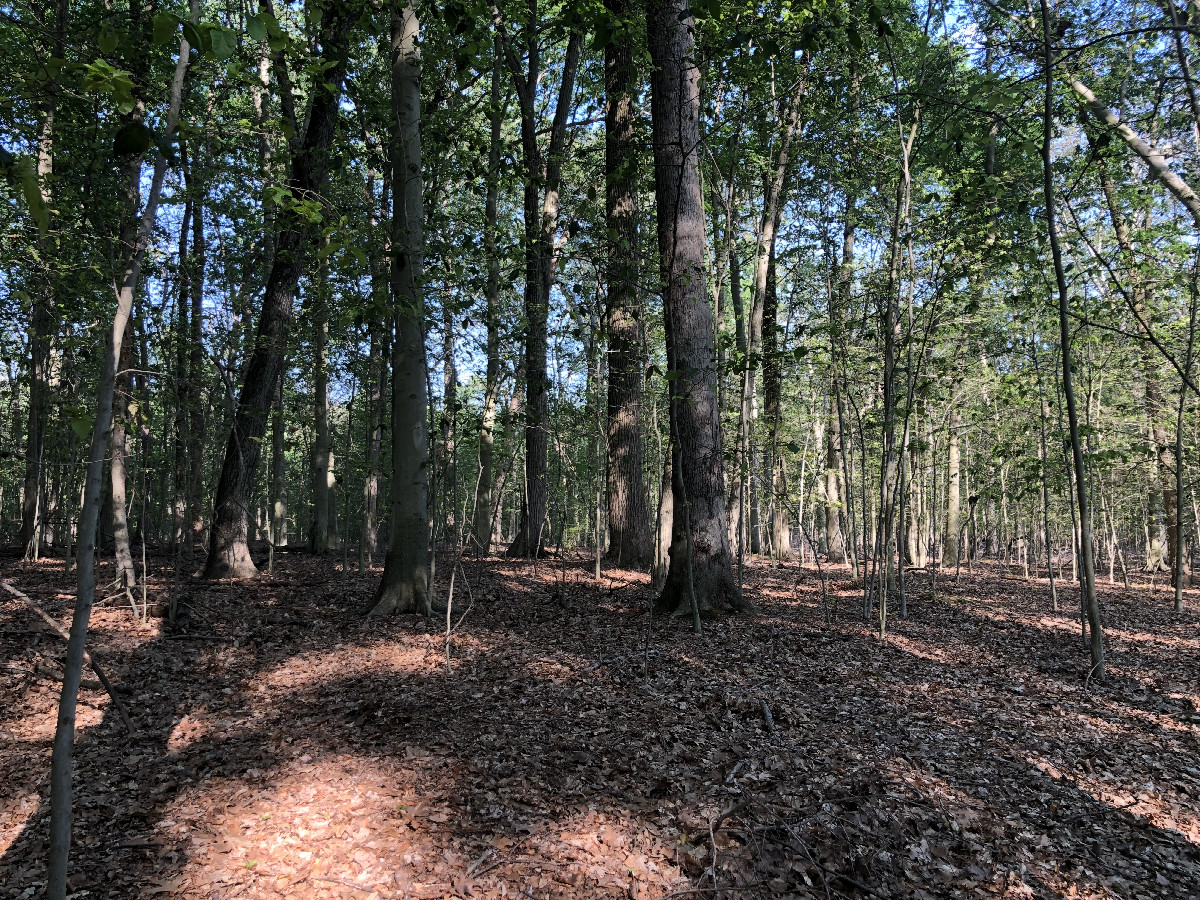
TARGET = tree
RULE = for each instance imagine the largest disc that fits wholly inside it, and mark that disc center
(700, 558)
(228, 549)
(405, 585)
(630, 543)
(542, 177)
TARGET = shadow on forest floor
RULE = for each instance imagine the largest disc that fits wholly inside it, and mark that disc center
(288, 748)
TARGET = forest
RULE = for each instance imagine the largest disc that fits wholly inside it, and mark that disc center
(610, 448)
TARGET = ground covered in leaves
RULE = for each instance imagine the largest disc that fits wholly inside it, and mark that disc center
(569, 746)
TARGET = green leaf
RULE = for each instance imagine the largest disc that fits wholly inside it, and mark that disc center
(165, 26)
(194, 35)
(224, 43)
(26, 172)
(109, 39)
(132, 139)
(256, 28)
(81, 425)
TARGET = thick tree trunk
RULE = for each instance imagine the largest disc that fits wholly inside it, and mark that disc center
(485, 500)
(699, 485)
(628, 522)
(228, 551)
(405, 584)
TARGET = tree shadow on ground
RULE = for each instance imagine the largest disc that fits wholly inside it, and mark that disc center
(292, 749)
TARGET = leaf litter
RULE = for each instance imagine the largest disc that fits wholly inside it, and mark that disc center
(573, 747)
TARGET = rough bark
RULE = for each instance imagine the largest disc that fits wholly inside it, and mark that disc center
(628, 522)
(699, 485)
(119, 458)
(405, 585)
(228, 551)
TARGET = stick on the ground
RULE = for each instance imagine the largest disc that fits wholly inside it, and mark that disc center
(87, 658)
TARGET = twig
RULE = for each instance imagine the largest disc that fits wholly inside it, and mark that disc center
(767, 717)
(87, 658)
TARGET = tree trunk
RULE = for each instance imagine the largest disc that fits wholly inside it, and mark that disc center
(195, 396)
(125, 287)
(953, 489)
(541, 227)
(835, 541)
(324, 534)
(485, 500)
(628, 523)
(699, 485)
(41, 324)
(228, 552)
(1091, 603)
(781, 538)
(119, 456)
(405, 584)
(180, 531)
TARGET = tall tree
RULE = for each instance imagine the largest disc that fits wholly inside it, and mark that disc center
(1091, 603)
(228, 550)
(485, 501)
(630, 543)
(543, 177)
(405, 585)
(701, 563)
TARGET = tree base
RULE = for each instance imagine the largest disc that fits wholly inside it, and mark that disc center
(232, 562)
(716, 591)
(404, 589)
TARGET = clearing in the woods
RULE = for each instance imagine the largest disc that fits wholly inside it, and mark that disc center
(566, 745)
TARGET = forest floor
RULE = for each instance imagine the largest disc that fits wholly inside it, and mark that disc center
(286, 747)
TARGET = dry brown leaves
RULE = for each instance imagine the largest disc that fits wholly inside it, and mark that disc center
(288, 748)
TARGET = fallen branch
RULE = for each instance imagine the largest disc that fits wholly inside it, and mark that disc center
(87, 658)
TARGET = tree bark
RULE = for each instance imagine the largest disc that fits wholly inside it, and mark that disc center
(485, 500)
(541, 226)
(1091, 603)
(324, 535)
(125, 287)
(405, 584)
(228, 551)
(781, 537)
(953, 489)
(119, 456)
(699, 485)
(628, 522)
